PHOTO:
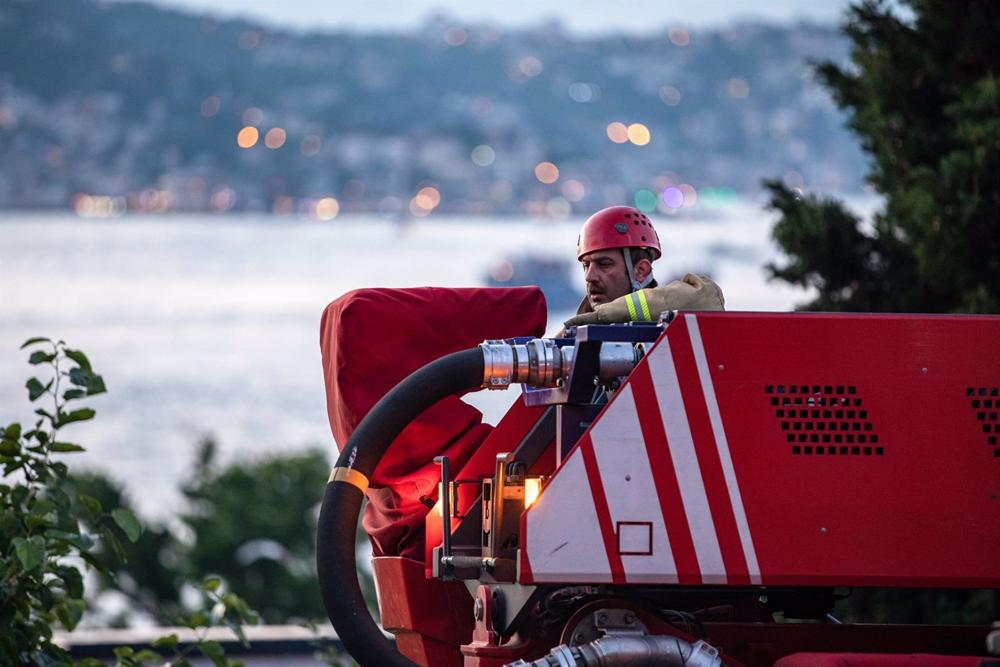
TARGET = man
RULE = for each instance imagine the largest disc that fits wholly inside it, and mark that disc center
(617, 247)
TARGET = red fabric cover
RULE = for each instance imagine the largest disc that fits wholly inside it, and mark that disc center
(877, 660)
(371, 339)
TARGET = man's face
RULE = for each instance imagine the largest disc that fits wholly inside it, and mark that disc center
(607, 279)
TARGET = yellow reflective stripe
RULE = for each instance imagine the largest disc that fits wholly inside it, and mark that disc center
(351, 476)
(645, 306)
(631, 307)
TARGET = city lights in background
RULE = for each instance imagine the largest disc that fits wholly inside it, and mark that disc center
(327, 208)
(247, 137)
(636, 133)
(426, 200)
(483, 155)
(546, 172)
(275, 138)
(617, 132)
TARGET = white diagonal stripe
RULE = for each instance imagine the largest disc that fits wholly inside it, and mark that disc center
(564, 537)
(630, 489)
(722, 444)
(689, 479)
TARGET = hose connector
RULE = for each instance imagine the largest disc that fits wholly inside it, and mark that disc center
(540, 362)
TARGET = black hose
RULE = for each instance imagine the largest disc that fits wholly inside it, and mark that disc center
(338, 516)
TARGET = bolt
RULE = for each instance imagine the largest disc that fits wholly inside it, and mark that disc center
(628, 478)
(578, 638)
(722, 367)
(602, 618)
(629, 618)
(822, 530)
(923, 370)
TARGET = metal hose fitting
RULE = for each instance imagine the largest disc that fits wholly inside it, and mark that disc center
(630, 651)
(541, 363)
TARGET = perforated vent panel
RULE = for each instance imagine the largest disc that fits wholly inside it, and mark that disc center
(985, 403)
(824, 420)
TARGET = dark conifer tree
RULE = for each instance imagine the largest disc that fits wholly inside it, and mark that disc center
(923, 95)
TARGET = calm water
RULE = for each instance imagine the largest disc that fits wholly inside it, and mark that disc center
(205, 325)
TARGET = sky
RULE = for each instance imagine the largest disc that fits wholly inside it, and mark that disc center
(579, 16)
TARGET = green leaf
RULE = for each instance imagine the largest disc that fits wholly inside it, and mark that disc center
(96, 385)
(40, 357)
(213, 651)
(36, 388)
(92, 504)
(127, 522)
(170, 641)
(10, 447)
(12, 432)
(73, 394)
(147, 655)
(65, 447)
(124, 652)
(79, 357)
(83, 414)
(211, 584)
(70, 613)
(72, 580)
(30, 551)
(36, 339)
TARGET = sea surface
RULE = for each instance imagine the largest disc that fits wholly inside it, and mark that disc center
(209, 326)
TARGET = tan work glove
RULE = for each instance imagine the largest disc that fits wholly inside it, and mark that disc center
(689, 293)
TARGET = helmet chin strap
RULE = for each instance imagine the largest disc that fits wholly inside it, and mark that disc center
(636, 285)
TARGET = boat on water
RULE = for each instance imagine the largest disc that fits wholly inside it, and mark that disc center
(553, 275)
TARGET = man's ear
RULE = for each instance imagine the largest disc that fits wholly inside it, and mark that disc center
(642, 269)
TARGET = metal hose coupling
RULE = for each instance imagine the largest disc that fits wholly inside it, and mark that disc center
(540, 362)
(631, 651)
(537, 362)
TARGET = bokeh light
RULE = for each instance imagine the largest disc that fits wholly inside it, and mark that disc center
(275, 138)
(546, 172)
(327, 208)
(645, 201)
(247, 137)
(530, 66)
(253, 116)
(210, 106)
(583, 92)
(689, 193)
(311, 144)
(428, 198)
(672, 197)
(502, 270)
(738, 88)
(638, 134)
(573, 190)
(670, 96)
(483, 155)
(617, 132)
(558, 207)
(679, 37)
(455, 36)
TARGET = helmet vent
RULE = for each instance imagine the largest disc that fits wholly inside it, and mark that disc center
(824, 420)
(985, 402)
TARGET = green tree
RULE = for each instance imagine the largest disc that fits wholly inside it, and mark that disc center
(922, 94)
(48, 525)
(254, 525)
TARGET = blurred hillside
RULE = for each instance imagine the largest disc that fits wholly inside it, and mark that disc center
(143, 108)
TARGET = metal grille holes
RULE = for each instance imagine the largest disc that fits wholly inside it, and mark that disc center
(824, 420)
(986, 404)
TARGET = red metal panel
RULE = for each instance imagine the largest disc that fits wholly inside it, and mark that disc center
(818, 449)
(924, 512)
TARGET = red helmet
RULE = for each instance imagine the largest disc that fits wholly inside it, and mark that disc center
(618, 227)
